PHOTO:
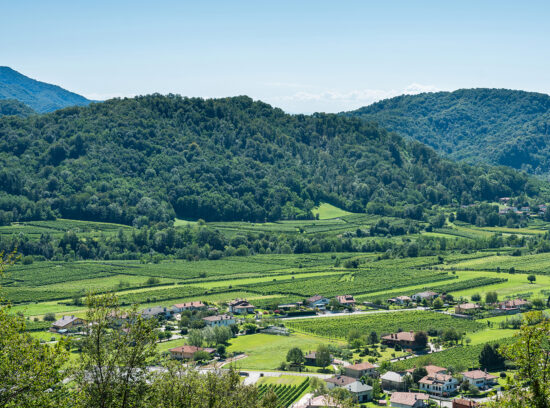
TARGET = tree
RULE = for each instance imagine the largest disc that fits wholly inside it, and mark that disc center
(112, 369)
(30, 373)
(531, 278)
(373, 337)
(178, 387)
(419, 373)
(295, 356)
(476, 297)
(195, 338)
(530, 355)
(491, 297)
(437, 303)
(421, 339)
(322, 356)
(490, 358)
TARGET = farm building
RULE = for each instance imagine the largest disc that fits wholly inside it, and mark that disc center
(346, 300)
(428, 295)
(404, 339)
(467, 308)
(67, 323)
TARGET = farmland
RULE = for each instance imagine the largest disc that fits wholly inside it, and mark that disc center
(382, 323)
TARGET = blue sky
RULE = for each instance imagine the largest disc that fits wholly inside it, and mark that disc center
(300, 55)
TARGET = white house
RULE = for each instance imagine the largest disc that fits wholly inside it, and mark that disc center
(438, 384)
(428, 295)
(362, 392)
(219, 320)
(481, 379)
(393, 381)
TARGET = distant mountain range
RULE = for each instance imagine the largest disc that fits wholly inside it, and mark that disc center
(39, 96)
(495, 126)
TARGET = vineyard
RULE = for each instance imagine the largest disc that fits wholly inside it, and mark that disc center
(382, 323)
(459, 357)
(286, 394)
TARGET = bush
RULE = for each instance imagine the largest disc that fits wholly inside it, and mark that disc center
(27, 260)
(49, 317)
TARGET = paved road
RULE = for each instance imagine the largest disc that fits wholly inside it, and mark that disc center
(353, 313)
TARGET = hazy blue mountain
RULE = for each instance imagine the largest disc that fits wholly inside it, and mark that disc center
(39, 96)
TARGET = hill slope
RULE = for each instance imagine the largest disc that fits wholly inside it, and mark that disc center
(40, 96)
(496, 126)
(226, 159)
(14, 107)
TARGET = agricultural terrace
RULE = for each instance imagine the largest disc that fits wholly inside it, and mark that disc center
(382, 323)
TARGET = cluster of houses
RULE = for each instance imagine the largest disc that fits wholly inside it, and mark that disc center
(526, 210)
(437, 383)
(506, 307)
(320, 303)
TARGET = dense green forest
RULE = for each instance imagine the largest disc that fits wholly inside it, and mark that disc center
(496, 126)
(39, 96)
(149, 159)
(14, 107)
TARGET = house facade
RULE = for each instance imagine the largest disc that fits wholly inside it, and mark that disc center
(346, 300)
(219, 320)
(467, 308)
(439, 384)
(157, 311)
(428, 295)
(361, 392)
(392, 381)
(318, 302)
(67, 323)
(361, 369)
(240, 306)
(481, 379)
(404, 339)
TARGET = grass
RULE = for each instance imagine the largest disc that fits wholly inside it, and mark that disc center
(266, 351)
(327, 211)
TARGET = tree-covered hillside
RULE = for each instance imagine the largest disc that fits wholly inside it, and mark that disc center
(39, 96)
(496, 126)
(14, 107)
(155, 157)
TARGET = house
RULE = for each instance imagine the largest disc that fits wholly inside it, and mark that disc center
(180, 307)
(481, 379)
(287, 306)
(467, 308)
(361, 369)
(428, 295)
(408, 400)
(318, 302)
(219, 320)
(346, 300)
(321, 401)
(67, 323)
(464, 403)
(513, 306)
(400, 300)
(240, 306)
(430, 369)
(438, 384)
(393, 381)
(311, 358)
(187, 352)
(505, 200)
(404, 339)
(156, 311)
(362, 392)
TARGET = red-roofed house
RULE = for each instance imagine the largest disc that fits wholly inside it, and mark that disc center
(361, 369)
(187, 352)
(464, 403)
(481, 379)
(438, 384)
(240, 306)
(431, 370)
(180, 307)
(346, 300)
(404, 339)
(467, 308)
(513, 306)
(408, 400)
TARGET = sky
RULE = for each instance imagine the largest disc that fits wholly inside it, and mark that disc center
(302, 56)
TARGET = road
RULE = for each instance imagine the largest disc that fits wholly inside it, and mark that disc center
(354, 313)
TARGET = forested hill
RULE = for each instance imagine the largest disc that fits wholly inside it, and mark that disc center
(153, 157)
(39, 96)
(14, 107)
(496, 126)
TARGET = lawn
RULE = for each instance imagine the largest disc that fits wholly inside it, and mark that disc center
(327, 211)
(266, 351)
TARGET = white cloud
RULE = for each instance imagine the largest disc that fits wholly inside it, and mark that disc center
(337, 101)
